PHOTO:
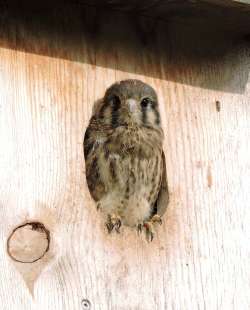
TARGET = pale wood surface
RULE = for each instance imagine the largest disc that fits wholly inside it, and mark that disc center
(49, 80)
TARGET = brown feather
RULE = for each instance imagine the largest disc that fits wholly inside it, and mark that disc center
(125, 162)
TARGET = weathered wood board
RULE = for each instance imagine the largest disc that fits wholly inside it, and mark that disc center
(233, 16)
(50, 75)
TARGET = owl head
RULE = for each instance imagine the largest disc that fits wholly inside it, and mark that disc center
(130, 103)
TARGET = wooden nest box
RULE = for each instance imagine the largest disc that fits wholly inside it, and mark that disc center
(58, 58)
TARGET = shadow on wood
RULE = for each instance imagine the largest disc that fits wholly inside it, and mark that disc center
(116, 40)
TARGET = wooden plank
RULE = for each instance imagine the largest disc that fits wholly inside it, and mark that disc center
(228, 16)
(50, 76)
(159, 8)
(148, 5)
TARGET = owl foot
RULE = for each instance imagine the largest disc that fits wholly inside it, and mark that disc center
(113, 222)
(149, 227)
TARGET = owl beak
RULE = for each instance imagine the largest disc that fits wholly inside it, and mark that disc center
(131, 105)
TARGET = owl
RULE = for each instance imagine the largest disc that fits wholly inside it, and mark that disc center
(124, 157)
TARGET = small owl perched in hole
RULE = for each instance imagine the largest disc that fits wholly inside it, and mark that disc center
(124, 156)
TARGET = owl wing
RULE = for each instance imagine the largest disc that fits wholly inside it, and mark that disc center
(163, 196)
(91, 149)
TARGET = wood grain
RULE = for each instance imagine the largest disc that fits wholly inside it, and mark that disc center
(49, 80)
(147, 6)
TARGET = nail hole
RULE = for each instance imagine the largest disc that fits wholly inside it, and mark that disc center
(218, 105)
(86, 305)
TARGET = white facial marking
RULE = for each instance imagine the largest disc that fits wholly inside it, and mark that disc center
(151, 116)
(131, 105)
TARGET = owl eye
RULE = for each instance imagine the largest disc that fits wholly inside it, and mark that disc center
(115, 102)
(146, 102)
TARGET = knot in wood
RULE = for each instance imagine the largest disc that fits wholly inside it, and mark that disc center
(28, 242)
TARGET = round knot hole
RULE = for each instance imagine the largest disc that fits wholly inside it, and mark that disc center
(28, 242)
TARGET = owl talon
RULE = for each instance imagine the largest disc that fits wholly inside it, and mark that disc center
(113, 222)
(151, 236)
(139, 228)
(98, 206)
(118, 225)
(149, 231)
(110, 227)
